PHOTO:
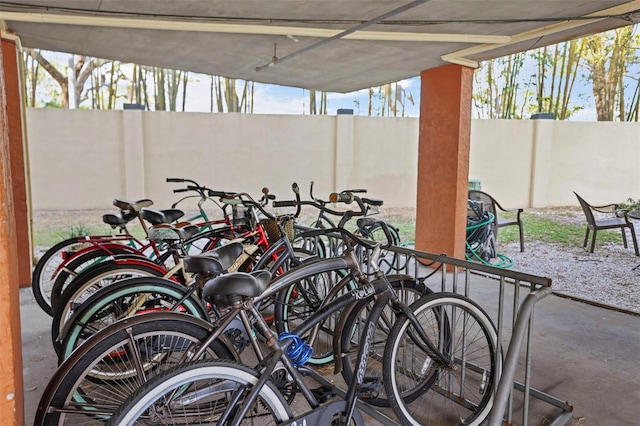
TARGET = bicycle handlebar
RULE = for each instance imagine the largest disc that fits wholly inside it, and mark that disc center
(204, 192)
(299, 204)
(245, 199)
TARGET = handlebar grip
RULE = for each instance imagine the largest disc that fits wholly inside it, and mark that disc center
(220, 194)
(277, 204)
(179, 180)
(175, 191)
(342, 197)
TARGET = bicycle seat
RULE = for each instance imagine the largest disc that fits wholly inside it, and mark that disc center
(222, 288)
(215, 261)
(372, 201)
(157, 217)
(164, 232)
(132, 206)
(116, 220)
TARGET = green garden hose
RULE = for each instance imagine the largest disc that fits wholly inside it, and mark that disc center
(476, 236)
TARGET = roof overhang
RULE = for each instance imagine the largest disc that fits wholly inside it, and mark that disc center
(337, 46)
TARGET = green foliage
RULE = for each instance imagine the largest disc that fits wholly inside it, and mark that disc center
(630, 204)
(47, 237)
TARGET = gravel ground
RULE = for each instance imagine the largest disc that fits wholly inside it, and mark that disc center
(605, 277)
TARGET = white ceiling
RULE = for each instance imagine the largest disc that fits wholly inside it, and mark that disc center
(337, 46)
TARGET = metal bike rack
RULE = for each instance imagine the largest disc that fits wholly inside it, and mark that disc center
(510, 299)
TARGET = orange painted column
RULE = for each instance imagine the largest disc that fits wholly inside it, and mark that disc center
(11, 385)
(14, 111)
(443, 159)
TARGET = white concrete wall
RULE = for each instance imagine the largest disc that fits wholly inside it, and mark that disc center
(84, 159)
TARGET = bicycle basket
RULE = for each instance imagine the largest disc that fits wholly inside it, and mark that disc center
(273, 230)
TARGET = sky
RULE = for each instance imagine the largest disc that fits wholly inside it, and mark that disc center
(274, 99)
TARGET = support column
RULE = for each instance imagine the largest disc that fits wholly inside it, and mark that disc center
(443, 159)
(11, 385)
(14, 110)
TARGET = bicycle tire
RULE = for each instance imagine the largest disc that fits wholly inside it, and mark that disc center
(221, 381)
(86, 284)
(408, 291)
(461, 396)
(113, 303)
(43, 274)
(76, 266)
(101, 373)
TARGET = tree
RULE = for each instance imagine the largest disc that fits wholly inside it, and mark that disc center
(81, 67)
(314, 108)
(33, 78)
(608, 56)
(555, 78)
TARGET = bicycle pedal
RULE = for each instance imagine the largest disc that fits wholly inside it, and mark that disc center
(370, 388)
(323, 393)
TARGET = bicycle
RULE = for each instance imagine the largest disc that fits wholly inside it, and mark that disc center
(130, 296)
(66, 294)
(58, 257)
(228, 393)
(207, 238)
(65, 260)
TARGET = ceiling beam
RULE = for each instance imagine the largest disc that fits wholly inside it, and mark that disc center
(215, 27)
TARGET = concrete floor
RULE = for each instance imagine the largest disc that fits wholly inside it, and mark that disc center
(585, 355)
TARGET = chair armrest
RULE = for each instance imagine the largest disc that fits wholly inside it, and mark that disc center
(610, 208)
(507, 210)
(519, 210)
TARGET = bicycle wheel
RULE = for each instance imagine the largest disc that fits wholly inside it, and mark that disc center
(408, 291)
(46, 268)
(389, 260)
(201, 393)
(123, 299)
(297, 302)
(316, 244)
(88, 283)
(78, 264)
(463, 395)
(92, 383)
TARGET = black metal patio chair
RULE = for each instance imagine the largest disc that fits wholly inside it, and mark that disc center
(610, 217)
(491, 205)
